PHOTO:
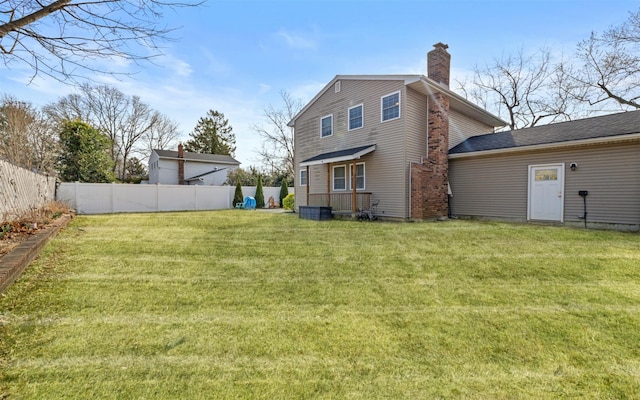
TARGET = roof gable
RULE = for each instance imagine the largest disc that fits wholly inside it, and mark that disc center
(607, 126)
(421, 83)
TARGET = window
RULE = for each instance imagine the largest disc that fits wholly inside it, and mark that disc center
(390, 107)
(355, 117)
(359, 176)
(547, 174)
(340, 178)
(326, 126)
(303, 177)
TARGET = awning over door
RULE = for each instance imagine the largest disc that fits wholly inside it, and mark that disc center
(339, 155)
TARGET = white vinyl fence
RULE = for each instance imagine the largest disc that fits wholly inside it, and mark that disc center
(22, 190)
(107, 198)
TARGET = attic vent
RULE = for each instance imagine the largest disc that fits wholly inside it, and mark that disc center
(338, 86)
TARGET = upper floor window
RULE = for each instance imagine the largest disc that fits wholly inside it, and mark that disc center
(303, 177)
(355, 117)
(326, 126)
(390, 106)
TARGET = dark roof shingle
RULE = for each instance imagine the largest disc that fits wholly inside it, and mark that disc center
(589, 128)
(212, 158)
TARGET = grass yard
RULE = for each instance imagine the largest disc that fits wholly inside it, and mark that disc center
(251, 305)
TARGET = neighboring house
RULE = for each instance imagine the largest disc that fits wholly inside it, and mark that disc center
(167, 167)
(540, 173)
(390, 134)
(425, 152)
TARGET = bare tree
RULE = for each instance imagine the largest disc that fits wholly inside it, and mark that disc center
(62, 38)
(610, 71)
(524, 89)
(26, 137)
(277, 150)
(129, 124)
(163, 135)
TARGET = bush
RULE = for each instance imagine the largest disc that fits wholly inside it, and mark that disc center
(237, 196)
(259, 194)
(289, 202)
(284, 191)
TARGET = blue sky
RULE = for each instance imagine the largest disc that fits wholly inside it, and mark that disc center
(235, 56)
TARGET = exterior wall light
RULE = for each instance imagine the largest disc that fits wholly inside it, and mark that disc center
(573, 166)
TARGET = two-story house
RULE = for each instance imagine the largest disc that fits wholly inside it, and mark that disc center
(169, 167)
(424, 152)
(384, 137)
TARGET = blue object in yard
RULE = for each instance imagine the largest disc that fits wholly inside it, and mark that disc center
(249, 203)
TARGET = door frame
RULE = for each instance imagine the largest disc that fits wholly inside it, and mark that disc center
(560, 167)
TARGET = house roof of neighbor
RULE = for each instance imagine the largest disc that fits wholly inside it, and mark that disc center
(210, 158)
(611, 126)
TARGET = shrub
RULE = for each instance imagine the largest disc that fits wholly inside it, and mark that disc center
(289, 202)
(284, 191)
(237, 196)
(259, 194)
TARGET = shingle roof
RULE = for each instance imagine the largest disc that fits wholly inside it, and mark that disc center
(339, 155)
(212, 158)
(205, 174)
(589, 128)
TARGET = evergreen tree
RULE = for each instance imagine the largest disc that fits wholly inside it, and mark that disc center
(284, 191)
(259, 194)
(85, 154)
(212, 135)
(237, 196)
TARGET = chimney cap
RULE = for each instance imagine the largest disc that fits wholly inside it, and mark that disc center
(441, 45)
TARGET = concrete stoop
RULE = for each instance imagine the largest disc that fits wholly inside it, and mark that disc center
(13, 264)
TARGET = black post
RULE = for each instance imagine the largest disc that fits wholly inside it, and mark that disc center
(584, 194)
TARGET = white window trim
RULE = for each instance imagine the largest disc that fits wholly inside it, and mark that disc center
(306, 177)
(364, 176)
(321, 119)
(333, 178)
(399, 106)
(349, 117)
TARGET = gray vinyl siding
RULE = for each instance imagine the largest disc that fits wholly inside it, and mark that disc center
(384, 168)
(461, 128)
(497, 186)
(416, 122)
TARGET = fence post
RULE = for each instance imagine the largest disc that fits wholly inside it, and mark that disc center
(113, 197)
(75, 194)
(195, 197)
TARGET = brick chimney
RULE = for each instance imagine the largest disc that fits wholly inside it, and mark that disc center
(180, 164)
(430, 180)
(439, 64)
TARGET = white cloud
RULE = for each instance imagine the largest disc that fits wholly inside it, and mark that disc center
(178, 66)
(264, 88)
(214, 65)
(307, 91)
(296, 41)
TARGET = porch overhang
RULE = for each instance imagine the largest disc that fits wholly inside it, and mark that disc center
(339, 155)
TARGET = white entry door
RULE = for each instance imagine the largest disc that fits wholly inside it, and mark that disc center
(546, 192)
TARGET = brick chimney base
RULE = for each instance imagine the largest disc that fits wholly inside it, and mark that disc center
(429, 192)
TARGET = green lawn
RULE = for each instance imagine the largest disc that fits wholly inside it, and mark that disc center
(244, 304)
